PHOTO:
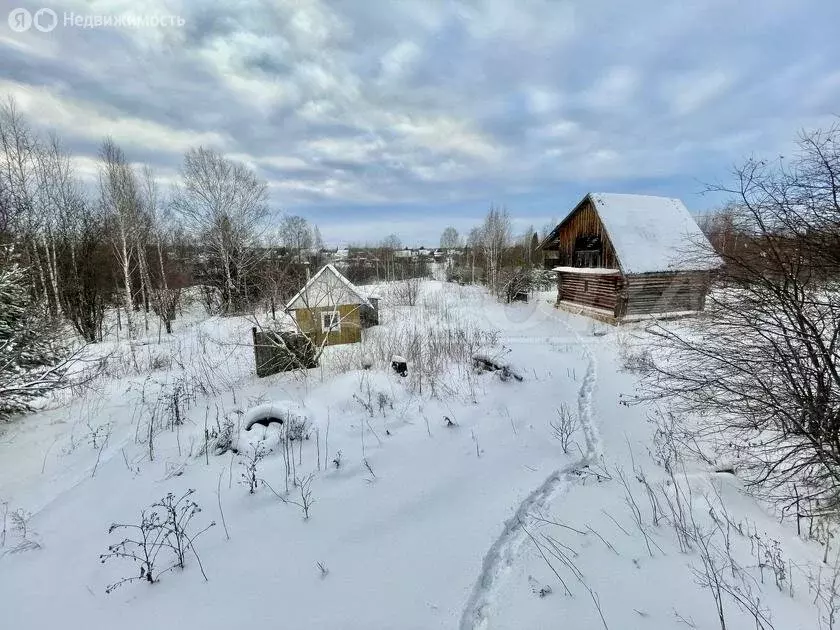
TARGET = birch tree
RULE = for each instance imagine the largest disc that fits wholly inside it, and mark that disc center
(224, 205)
(121, 203)
(18, 171)
(474, 245)
(163, 293)
(58, 200)
(495, 238)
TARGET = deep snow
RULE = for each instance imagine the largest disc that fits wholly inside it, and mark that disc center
(423, 524)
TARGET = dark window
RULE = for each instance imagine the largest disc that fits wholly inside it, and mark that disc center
(330, 322)
(586, 286)
(588, 259)
(587, 251)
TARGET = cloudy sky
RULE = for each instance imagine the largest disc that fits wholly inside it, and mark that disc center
(377, 116)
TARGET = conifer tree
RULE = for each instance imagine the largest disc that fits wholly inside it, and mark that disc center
(31, 360)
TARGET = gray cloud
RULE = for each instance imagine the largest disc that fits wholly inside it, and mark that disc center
(390, 109)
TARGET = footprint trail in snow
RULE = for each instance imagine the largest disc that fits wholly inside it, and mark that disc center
(505, 549)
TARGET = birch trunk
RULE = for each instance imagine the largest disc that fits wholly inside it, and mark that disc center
(52, 273)
(126, 270)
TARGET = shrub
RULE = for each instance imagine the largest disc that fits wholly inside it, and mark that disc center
(250, 464)
(164, 526)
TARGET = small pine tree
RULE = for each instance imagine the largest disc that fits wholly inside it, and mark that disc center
(29, 352)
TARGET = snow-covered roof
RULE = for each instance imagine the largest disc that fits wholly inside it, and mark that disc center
(327, 288)
(652, 234)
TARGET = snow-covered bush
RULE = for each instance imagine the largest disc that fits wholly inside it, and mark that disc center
(543, 279)
(640, 361)
(513, 282)
(371, 397)
(343, 358)
(489, 362)
(634, 353)
(305, 499)
(25, 539)
(32, 361)
(403, 292)
(220, 439)
(298, 428)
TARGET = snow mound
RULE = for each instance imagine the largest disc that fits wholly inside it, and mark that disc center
(279, 411)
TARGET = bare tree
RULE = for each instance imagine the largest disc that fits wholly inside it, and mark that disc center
(405, 292)
(19, 177)
(297, 236)
(121, 202)
(318, 247)
(474, 245)
(56, 200)
(762, 366)
(317, 240)
(563, 427)
(224, 205)
(164, 293)
(86, 285)
(56, 234)
(450, 239)
(495, 237)
(531, 243)
(392, 242)
(387, 255)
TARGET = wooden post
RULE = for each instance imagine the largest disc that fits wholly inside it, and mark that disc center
(621, 298)
(559, 285)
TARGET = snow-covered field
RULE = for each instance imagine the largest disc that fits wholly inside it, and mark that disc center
(478, 521)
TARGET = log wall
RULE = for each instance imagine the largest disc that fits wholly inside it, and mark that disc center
(663, 293)
(598, 291)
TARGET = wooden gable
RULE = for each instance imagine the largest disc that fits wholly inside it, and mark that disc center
(327, 288)
(581, 223)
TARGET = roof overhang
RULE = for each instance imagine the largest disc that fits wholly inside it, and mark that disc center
(589, 271)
